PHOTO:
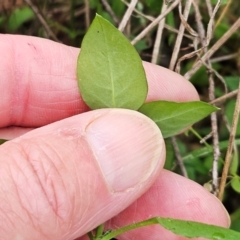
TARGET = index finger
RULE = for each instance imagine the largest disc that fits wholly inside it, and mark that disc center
(39, 84)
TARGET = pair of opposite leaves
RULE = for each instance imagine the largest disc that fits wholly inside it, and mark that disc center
(111, 75)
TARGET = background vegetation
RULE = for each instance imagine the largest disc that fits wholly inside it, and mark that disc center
(195, 152)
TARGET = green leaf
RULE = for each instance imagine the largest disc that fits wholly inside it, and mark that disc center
(232, 82)
(235, 162)
(235, 183)
(223, 2)
(183, 228)
(172, 117)
(205, 151)
(118, 8)
(109, 69)
(19, 17)
(191, 229)
(170, 155)
(2, 20)
(229, 110)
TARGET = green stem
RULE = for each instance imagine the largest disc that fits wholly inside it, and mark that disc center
(90, 235)
(99, 231)
(198, 136)
(122, 230)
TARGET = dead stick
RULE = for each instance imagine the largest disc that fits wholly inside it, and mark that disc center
(228, 157)
(42, 20)
(213, 49)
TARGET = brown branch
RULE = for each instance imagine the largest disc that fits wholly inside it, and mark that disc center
(216, 149)
(228, 157)
(41, 19)
(211, 22)
(205, 40)
(158, 39)
(213, 49)
(110, 11)
(224, 97)
(225, 57)
(154, 23)
(127, 15)
(204, 139)
(223, 13)
(87, 14)
(180, 35)
(179, 157)
(150, 18)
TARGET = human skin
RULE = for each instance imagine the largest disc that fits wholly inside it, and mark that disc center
(66, 169)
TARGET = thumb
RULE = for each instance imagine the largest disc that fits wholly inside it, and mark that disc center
(63, 180)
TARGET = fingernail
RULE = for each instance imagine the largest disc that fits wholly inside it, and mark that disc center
(127, 146)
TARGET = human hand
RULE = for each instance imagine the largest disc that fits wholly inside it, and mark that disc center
(65, 178)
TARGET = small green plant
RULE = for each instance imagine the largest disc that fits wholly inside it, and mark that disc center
(111, 75)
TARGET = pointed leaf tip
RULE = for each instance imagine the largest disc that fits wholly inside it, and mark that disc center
(109, 69)
(172, 117)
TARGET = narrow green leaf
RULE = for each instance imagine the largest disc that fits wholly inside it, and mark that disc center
(235, 183)
(191, 229)
(19, 17)
(235, 161)
(172, 117)
(205, 151)
(109, 69)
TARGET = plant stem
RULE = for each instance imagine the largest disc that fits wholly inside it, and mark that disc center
(42, 20)
(213, 49)
(127, 15)
(158, 40)
(228, 157)
(90, 235)
(180, 35)
(99, 231)
(130, 227)
(194, 132)
(179, 157)
(154, 23)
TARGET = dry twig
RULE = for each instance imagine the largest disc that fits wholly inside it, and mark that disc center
(110, 11)
(179, 157)
(209, 7)
(211, 22)
(127, 15)
(154, 23)
(180, 35)
(87, 14)
(224, 97)
(204, 139)
(225, 57)
(150, 18)
(213, 49)
(186, 56)
(223, 13)
(205, 40)
(228, 157)
(158, 39)
(216, 149)
(41, 19)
